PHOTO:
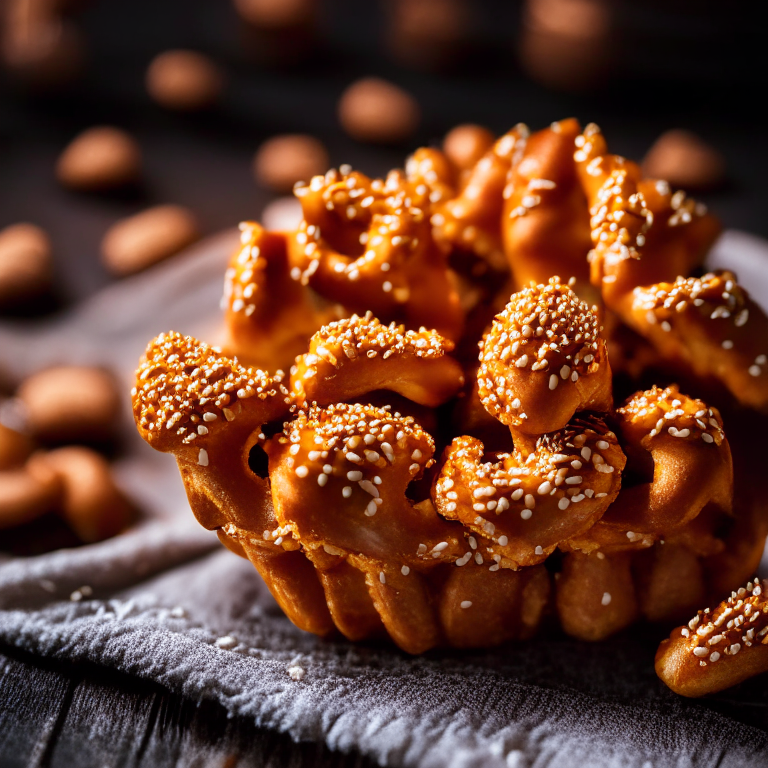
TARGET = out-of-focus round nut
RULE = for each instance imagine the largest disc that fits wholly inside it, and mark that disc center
(27, 493)
(684, 160)
(92, 505)
(375, 111)
(429, 34)
(25, 263)
(99, 158)
(276, 14)
(466, 144)
(70, 404)
(567, 44)
(140, 241)
(184, 80)
(283, 160)
(15, 448)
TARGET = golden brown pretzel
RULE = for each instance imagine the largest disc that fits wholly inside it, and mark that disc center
(678, 442)
(718, 648)
(529, 501)
(712, 325)
(208, 411)
(471, 220)
(543, 360)
(367, 244)
(269, 316)
(641, 232)
(352, 357)
(545, 222)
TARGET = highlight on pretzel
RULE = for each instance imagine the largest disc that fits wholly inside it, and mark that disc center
(367, 244)
(544, 359)
(269, 316)
(545, 224)
(352, 357)
(402, 485)
(718, 648)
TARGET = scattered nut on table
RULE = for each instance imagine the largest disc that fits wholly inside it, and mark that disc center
(26, 493)
(15, 448)
(283, 160)
(379, 112)
(100, 158)
(70, 404)
(184, 80)
(91, 504)
(684, 160)
(140, 241)
(25, 263)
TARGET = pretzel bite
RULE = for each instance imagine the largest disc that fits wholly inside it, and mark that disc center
(710, 323)
(208, 410)
(351, 357)
(545, 223)
(339, 476)
(641, 232)
(431, 167)
(269, 316)
(543, 360)
(367, 244)
(527, 502)
(595, 594)
(718, 648)
(679, 443)
(471, 221)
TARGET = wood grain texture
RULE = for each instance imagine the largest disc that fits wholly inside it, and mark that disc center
(55, 715)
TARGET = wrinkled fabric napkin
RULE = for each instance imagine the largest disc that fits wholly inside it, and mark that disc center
(164, 601)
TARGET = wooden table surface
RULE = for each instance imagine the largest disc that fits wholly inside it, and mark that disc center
(677, 73)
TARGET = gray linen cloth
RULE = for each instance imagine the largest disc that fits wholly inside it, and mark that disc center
(165, 602)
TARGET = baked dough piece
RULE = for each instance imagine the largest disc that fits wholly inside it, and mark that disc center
(718, 648)
(208, 411)
(352, 357)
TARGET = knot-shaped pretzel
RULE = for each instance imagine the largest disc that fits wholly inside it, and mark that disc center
(367, 244)
(642, 233)
(528, 502)
(718, 648)
(545, 223)
(711, 324)
(679, 442)
(208, 410)
(269, 316)
(352, 357)
(543, 360)
(471, 220)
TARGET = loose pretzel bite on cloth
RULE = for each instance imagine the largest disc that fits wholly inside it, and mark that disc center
(339, 477)
(642, 233)
(529, 501)
(367, 244)
(718, 648)
(681, 442)
(208, 411)
(269, 317)
(710, 323)
(352, 357)
(543, 360)
(545, 222)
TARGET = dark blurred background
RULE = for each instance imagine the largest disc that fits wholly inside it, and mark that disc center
(636, 69)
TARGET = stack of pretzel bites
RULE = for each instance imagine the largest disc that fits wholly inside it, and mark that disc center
(590, 463)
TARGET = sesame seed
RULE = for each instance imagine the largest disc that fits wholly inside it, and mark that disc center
(346, 491)
(606, 599)
(202, 458)
(382, 577)
(466, 604)
(301, 471)
(526, 514)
